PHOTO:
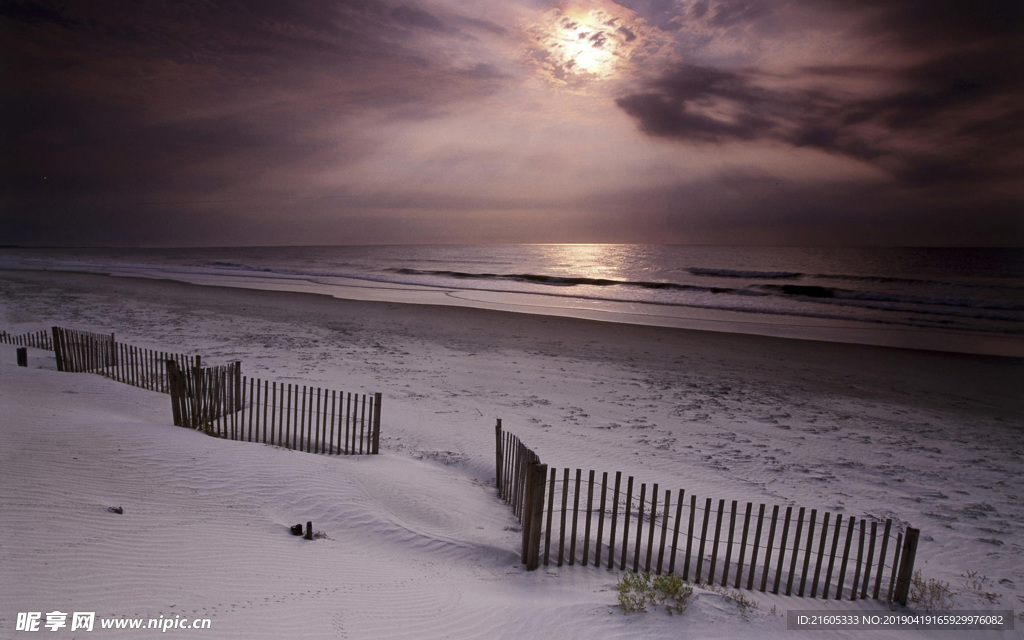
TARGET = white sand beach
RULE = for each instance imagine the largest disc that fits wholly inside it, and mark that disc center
(416, 543)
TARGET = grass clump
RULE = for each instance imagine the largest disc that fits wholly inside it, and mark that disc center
(743, 601)
(637, 590)
(979, 585)
(931, 594)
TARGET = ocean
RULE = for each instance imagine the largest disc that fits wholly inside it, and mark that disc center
(956, 299)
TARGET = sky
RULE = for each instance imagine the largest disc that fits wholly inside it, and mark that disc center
(261, 122)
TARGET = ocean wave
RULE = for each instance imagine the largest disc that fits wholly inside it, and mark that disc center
(733, 273)
(849, 296)
(833, 309)
(967, 284)
(809, 293)
(560, 281)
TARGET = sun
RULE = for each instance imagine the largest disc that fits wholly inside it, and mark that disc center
(580, 45)
(583, 43)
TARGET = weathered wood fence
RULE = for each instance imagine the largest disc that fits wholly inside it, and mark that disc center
(36, 339)
(220, 400)
(568, 518)
(84, 351)
(201, 396)
(223, 402)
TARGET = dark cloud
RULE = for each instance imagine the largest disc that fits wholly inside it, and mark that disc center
(110, 107)
(937, 22)
(33, 13)
(683, 103)
(953, 117)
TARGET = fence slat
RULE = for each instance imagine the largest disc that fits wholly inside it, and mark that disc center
(703, 539)
(590, 508)
(551, 508)
(675, 532)
(807, 551)
(754, 550)
(312, 444)
(325, 420)
(743, 545)
(304, 420)
(895, 564)
(821, 555)
(851, 525)
(728, 548)
(832, 556)
(861, 560)
(639, 527)
(314, 422)
(689, 539)
(615, 516)
(782, 550)
(625, 522)
(768, 548)
(650, 529)
(362, 425)
(881, 559)
(575, 517)
(334, 409)
(714, 546)
(796, 549)
(870, 559)
(600, 518)
(276, 413)
(664, 529)
(565, 505)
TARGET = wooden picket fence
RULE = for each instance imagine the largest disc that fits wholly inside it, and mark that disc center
(202, 396)
(220, 400)
(83, 351)
(35, 339)
(223, 402)
(789, 561)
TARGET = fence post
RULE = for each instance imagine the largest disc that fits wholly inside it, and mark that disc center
(237, 393)
(527, 502)
(22, 356)
(538, 474)
(198, 396)
(906, 571)
(376, 423)
(497, 456)
(58, 349)
(172, 377)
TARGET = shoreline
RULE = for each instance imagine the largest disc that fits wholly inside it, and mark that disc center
(737, 323)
